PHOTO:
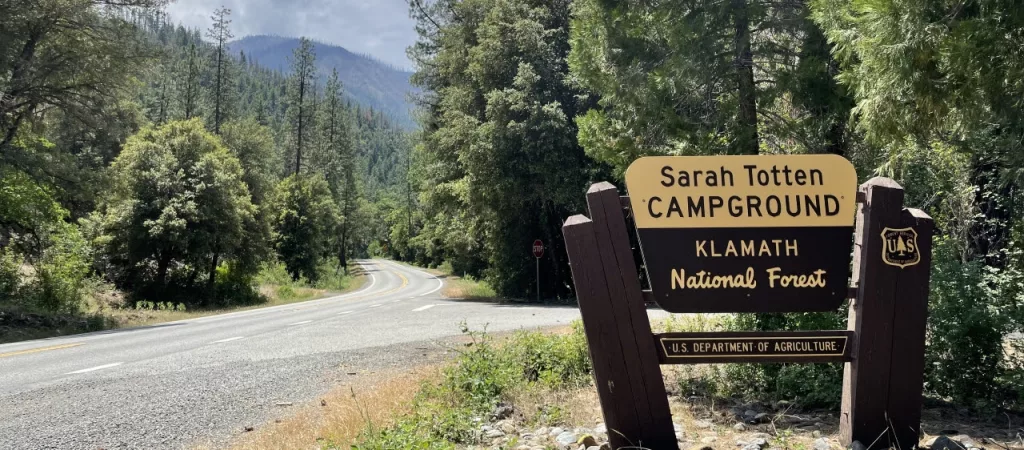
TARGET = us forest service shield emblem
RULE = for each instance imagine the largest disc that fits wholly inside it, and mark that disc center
(900, 247)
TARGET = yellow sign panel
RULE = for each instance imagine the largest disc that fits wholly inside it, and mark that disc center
(761, 191)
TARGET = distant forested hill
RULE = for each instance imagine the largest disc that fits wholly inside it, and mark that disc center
(368, 81)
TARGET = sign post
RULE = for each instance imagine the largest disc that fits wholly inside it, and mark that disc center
(754, 234)
(538, 253)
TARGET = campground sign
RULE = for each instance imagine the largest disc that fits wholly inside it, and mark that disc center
(745, 233)
(778, 233)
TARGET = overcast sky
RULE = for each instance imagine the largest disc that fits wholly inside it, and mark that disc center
(381, 28)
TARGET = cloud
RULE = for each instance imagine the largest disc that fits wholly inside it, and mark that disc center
(381, 28)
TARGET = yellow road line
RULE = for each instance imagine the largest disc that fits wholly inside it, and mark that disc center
(37, 350)
(405, 282)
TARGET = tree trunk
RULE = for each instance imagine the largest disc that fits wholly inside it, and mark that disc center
(161, 271)
(747, 140)
(343, 251)
(210, 283)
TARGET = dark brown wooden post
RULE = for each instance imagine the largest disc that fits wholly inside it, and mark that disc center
(906, 379)
(866, 378)
(882, 385)
(626, 370)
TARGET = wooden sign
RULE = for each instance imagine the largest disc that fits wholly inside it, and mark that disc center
(745, 233)
(777, 346)
(716, 235)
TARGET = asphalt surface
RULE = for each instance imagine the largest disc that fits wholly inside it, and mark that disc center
(204, 380)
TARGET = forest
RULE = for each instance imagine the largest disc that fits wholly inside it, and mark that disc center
(526, 103)
(146, 155)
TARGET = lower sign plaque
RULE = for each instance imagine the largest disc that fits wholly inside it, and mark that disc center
(796, 346)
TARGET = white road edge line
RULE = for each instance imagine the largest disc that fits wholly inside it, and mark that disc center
(374, 306)
(300, 323)
(91, 369)
(258, 311)
(344, 312)
(423, 308)
(440, 284)
(229, 339)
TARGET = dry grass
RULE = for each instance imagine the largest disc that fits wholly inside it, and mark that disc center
(340, 415)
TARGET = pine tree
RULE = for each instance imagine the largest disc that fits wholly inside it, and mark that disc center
(301, 98)
(189, 83)
(222, 88)
(338, 158)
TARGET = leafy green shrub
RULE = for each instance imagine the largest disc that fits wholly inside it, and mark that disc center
(972, 308)
(484, 374)
(812, 385)
(61, 270)
(10, 278)
(332, 277)
(274, 273)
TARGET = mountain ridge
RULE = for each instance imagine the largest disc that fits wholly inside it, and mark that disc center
(365, 79)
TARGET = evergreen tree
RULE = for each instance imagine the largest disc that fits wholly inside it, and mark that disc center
(221, 88)
(301, 98)
(705, 77)
(338, 158)
(189, 88)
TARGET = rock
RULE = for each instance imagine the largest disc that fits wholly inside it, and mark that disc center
(506, 426)
(565, 438)
(751, 447)
(601, 428)
(486, 428)
(760, 442)
(740, 427)
(249, 429)
(677, 427)
(821, 444)
(945, 443)
(816, 433)
(502, 411)
(702, 424)
(856, 445)
(709, 439)
(556, 431)
(762, 418)
(594, 447)
(750, 413)
(493, 433)
(541, 431)
(284, 403)
(587, 441)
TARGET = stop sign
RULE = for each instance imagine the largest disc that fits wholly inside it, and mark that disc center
(538, 248)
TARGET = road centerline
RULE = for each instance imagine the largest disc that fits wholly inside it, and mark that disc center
(300, 323)
(37, 350)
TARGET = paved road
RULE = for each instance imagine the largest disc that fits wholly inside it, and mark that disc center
(203, 380)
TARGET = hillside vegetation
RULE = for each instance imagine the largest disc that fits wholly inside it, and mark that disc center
(146, 157)
(367, 81)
